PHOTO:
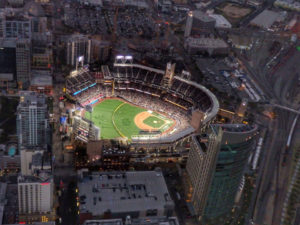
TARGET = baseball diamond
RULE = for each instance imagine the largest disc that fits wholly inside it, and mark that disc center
(117, 118)
(154, 121)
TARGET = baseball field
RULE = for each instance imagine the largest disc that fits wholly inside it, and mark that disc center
(117, 118)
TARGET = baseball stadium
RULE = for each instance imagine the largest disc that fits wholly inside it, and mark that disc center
(139, 104)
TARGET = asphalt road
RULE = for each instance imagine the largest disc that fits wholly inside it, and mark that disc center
(66, 180)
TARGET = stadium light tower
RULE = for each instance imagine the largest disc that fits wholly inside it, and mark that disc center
(186, 75)
(128, 59)
(80, 59)
(120, 59)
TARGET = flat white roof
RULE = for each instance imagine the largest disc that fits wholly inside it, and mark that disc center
(123, 192)
(265, 19)
(206, 42)
(41, 80)
(221, 21)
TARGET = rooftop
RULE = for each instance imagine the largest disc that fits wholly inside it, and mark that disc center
(43, 177)
(221, 21)
(201, 16)
(155, 221)
(28, 98)
(206, 42)
(237, 127)
(265, 19)
(104, 222)
(138, 221)
(123, 192)
(41, 80)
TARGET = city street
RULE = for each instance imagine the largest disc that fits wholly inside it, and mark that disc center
(66, 179)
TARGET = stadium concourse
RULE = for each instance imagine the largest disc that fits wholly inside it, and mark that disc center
(140, 103)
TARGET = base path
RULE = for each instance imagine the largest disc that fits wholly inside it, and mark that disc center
(139, 118)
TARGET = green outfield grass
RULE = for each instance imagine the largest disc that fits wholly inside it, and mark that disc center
(115, 118)
(154, 121)
(101, 116)
(124, 119)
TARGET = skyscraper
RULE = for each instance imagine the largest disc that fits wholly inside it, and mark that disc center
(15, 62)
(238, 141)
(35, 197)
(100, 50)
(7, 63)
(199, 23)
(32, 121)
(215, 167)
(78, 45)
(17, 26)
(200, 167)
(23, 62)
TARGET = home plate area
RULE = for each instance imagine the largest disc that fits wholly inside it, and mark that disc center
(148, 121)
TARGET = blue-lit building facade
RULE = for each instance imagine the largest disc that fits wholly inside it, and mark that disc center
(238, 141)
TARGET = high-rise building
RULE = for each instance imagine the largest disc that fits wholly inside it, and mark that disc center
(199, 23)
(41, 56)
(215, 168)
(35, 195)
(23, 62)
(238, 141)
(14, 62)
(78, 45)
(32, 121)
(17, 27)
(100, 50)
(8, 63)
(200, 167)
